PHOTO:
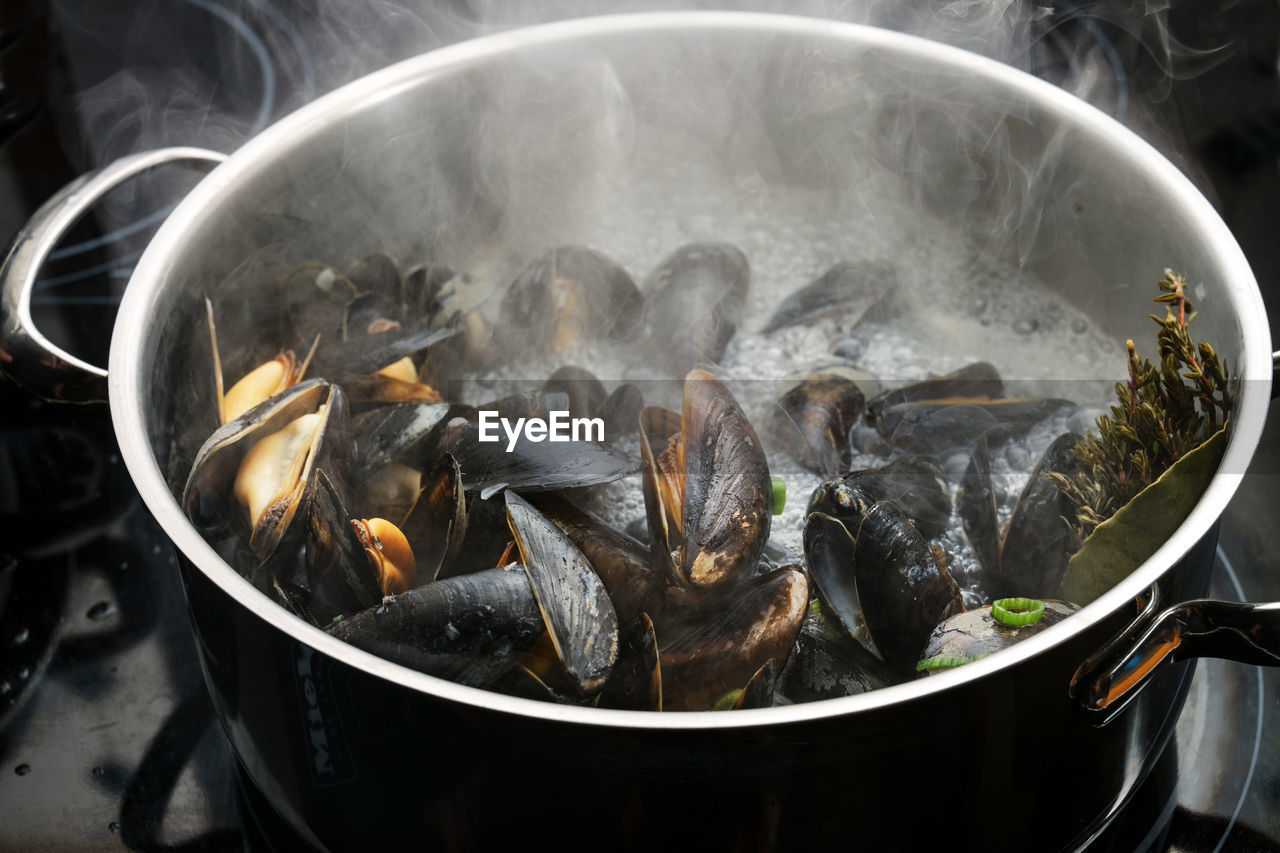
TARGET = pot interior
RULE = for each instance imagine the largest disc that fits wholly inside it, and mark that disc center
(808, 143)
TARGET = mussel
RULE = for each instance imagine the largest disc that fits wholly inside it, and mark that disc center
(872, 567)
(812, 422)
(693, 304)
(706, 485)
(569, 295)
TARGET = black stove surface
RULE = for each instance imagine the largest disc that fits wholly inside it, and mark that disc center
(107, 737)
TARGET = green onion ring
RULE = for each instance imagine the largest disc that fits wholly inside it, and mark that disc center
(778, 496)
(1016, 612)
(944, 662)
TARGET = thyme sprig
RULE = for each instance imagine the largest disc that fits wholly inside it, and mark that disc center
(1162, 413)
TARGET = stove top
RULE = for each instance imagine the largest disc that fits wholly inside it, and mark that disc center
(107, 737)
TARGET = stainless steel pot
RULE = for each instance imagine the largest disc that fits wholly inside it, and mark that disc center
(353, 750)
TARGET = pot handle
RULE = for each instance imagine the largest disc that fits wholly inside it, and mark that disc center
(27, 356)
(1231, 630)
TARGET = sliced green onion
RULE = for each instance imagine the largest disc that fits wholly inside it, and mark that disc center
(779, 496)
(944, 662)
(725, 702)
(1016, 612)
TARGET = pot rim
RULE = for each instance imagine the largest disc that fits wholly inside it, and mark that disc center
(126, 372)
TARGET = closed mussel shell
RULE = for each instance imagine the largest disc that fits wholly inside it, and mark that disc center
(915, 483)
(979, 379)
(694, 302)
(848, 289)
(469, 629)
(812, 422)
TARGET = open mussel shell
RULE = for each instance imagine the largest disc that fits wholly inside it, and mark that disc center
(568, 295)
(436, 524)
(976, 633)
(811, 422)
(915, 483)
(208, 498)
(723, 641)
(575, 606)
(623, 564)
(341, 579)
(489, 466)
(636, 682)
(716, 470)
(393, 433)
(830, 549)
(469, 629)
(1038, 541)
(693, 305)
(362, 355)
(849, 289)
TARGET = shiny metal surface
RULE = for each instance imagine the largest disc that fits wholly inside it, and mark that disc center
(265, 667)
(26, 355)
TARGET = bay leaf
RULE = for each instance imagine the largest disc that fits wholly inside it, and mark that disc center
(1121, 543)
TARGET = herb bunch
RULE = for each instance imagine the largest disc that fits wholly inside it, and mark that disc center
(1162, 413)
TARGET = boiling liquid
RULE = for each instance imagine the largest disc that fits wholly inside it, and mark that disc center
(951, 305)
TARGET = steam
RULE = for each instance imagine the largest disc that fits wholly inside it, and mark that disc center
(215, 72)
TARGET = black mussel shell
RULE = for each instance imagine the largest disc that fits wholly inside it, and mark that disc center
(848, 289)
(393, 433)
(894, 579)
(622, 563)
(694, 302)
(636, 683)
(546, 466)
(340, 576)
(915, 483)
(579, 616)
(726, 492)
(1039, 539)
(932, 426)
(468, 629)
(760, 688)
(436, 524)
(362, 355)
(826, 663)
(585, 393)
(571, 294)
(979, 379)
(812, 422)
(621, 411)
